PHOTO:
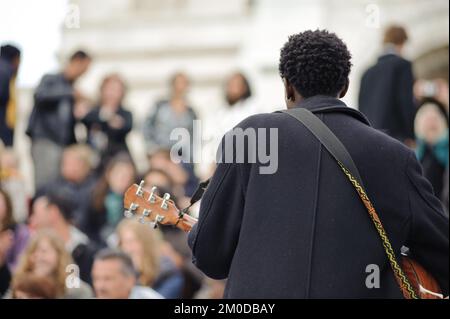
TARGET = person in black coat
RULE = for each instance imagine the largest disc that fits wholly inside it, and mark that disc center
(51, 126)
(299, 230)
(109, 124)
(386, 92)
(9, 65)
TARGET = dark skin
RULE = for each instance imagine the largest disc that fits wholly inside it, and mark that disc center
(293, 98)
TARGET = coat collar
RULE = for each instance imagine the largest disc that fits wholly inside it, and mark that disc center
(328, 104)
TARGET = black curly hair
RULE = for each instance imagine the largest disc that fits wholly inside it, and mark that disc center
(315, 63)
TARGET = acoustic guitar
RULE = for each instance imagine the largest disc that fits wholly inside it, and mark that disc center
(423, 283)
(153, 210)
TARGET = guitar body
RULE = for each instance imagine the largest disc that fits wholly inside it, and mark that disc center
(425, 286)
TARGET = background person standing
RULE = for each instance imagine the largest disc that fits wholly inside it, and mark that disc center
(386, 93)
(9, 65)
(51, 124)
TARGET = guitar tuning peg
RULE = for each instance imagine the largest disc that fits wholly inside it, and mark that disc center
(145, 213)
(152, 197)
(166, 198)
(158, 219)
(140, 189)
(128, 214)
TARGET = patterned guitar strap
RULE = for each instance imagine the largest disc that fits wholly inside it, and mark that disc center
(345, 162)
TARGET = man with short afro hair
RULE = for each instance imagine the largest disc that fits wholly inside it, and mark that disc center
(301, 231)
(315, 63)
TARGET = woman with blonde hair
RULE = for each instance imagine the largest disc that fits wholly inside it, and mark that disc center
(46, 256)
(107, 198)
(145, 247)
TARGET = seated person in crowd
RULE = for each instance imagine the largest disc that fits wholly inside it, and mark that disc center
(177, 250)
(182, 174)
(107, 201)
(46, 256)
(30, 286)
(175, 246)
(6, 240)
(431, 130)
(159, 178)
(164, 183)
(77, 180)
(114, 277)
(18, 233)
(12, 181)
(155, 270)
(54, 210)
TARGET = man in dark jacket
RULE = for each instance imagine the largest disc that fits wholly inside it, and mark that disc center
(52, 121)
(386, 93)
(9, 65)
(302, 231)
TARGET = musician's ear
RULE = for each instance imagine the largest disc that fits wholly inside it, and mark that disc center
(344, 90)
(289, 93)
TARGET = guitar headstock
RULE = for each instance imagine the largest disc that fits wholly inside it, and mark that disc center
(148, 207)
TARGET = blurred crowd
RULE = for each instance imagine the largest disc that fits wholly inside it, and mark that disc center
(70, 238)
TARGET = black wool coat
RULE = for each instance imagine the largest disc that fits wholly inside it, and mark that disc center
(386, 96)
(303, 232)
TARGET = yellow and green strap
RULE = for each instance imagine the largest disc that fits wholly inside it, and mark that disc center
(402, 280)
